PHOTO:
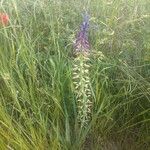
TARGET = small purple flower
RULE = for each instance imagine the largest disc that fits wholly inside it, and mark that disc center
(82, 43)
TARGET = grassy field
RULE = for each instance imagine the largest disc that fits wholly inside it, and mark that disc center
(38, 104)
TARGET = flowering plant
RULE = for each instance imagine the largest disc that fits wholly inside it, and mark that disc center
(4, 19)
(81, 73)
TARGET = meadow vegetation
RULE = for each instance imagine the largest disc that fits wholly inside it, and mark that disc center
(38, 108)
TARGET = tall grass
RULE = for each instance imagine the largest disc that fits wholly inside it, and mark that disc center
(37, 101)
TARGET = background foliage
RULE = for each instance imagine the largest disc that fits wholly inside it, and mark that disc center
(37, 101)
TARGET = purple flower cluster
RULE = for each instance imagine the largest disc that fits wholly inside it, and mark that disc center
(82, 43)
